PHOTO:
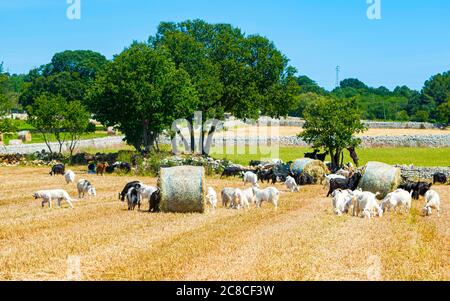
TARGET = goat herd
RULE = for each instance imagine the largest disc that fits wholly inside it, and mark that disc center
(342, 187)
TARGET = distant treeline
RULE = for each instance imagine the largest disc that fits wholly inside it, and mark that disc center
(431, 104)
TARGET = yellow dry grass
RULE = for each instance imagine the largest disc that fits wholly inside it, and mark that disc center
(302, 240)
(263, 131)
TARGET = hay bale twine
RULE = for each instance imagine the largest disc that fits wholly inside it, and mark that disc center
(315, 168)
(182, 189)
(380, 177)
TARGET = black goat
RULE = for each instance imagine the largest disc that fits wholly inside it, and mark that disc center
(232, 171)
(58, 169)
(155, 200)
(321, 157)
(439, 177)
(312, 155)
(134, 184)
(304, 179)
(420, 189)
(345, 184)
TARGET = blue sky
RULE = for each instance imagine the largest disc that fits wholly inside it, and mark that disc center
(408, 45)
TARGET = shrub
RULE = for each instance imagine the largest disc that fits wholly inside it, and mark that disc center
(91, 128)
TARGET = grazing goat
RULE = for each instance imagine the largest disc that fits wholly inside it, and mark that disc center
(312, 155)
(255, 163)
(345, 173)
(420, 189)
(342, 201)
(305, 179)
(101, 168)
(84, 187)
(433, 201)
(211, 197)
(250, 177)
(70, 177)
(227, 196)
(145, 192)
(135, 184)
(408, 186)
(291, 184)
(365, 203)
(265, 175)
(232, 171)
(321, 157)
(239, 200)
(328, 179)
(250, 195)
(270, 195)
(122, 166)
(398, 198)
(48, 195)
(344, 184)
(439, 177)
(155, 200)
(133, 199)
(58, 169)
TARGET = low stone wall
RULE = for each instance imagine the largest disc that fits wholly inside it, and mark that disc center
(432, 141)
(413, 173)
(98, 143)
(295, 121)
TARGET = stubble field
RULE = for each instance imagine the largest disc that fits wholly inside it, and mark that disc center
(302, 240)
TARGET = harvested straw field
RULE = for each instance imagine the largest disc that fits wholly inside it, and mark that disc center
(302, 240)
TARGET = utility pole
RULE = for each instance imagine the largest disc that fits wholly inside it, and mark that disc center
(338, 69)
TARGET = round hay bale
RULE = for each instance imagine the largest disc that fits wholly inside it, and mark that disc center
(182, 189)
(315, 168)
(380, 177)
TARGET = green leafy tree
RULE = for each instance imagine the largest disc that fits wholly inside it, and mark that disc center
(69, 74)
(443, 113)
(331, 124)
(231, 72)
(47, 115)
(353, 83)
(76, 120)
(54, 117)
(307, 85)
(142, 92)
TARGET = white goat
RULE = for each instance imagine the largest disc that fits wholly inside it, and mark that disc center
(398, 198)
(240, 200)
(291, 184)
(342, 201)
(145, 192)
(433, 201)
(84, 187)
(366, 203)
(227, 196)
(252, 178)
(270, 195)
(211, 197)
(250, 195)
(48, 195)
(70, 176)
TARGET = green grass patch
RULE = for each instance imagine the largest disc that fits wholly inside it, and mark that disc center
(413, 155)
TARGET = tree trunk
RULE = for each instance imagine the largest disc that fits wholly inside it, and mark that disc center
(47, 143)
(183, 139)
(192, 134)
(335, 158)
(209, 140)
